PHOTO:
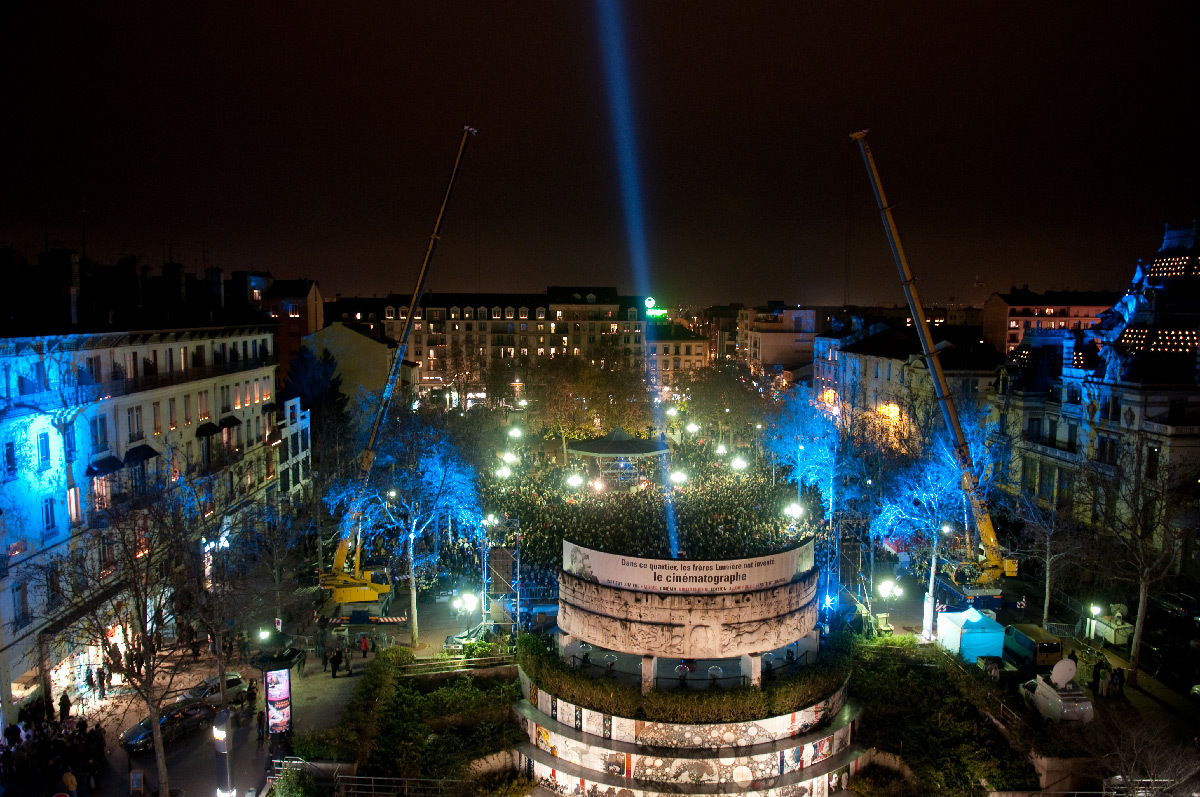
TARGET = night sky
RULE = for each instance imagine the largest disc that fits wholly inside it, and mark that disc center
(1040, 143)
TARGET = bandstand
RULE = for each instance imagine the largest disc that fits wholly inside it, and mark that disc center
(619, 457)
(696, 625)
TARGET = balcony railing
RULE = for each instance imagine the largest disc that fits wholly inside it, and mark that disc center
(1049, 442)
(81, 394)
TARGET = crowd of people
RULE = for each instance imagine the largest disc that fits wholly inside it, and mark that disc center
(45, 752)
(718, 514)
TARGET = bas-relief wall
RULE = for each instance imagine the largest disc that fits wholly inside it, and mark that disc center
(687, 626)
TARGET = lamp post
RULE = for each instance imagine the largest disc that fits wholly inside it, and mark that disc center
(220, 732)
(927, 613)
(793, 511)
(887, 591)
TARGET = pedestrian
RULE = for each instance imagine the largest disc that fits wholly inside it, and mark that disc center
(101, 681)
(90, 680)
(70, 782)
(1105, 681)
(64, 708)
(252, 693)
(364, 644)
(336, 661)
(1118, 681)
(1073, 657)
(262, 724)
(324, 654)
(1097, 669)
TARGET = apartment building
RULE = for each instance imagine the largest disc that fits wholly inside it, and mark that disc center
(1124, 388)
(457, 337)
(94, 422)
(671, 350)
(775, 337)
(1007, 317)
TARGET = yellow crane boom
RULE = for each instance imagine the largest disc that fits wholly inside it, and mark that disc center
(994, 565)
(357, 586)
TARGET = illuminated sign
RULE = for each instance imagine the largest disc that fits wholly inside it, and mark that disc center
(279, 701)
(649, 302)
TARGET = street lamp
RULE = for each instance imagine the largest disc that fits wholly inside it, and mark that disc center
(679, 477)
(692, 428)
(575, 481)
(514, 432)
(469, 602)
(672, 411)
(509, 457)
(930, 603)
(794, 511)
(722, 450)
(738, 463)
(504, 472)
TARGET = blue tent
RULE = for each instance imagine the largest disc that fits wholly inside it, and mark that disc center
(970, 634)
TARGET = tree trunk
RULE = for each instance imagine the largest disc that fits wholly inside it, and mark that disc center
(1046, 586)
(412, 585)
(1135, 647)
(160, 753)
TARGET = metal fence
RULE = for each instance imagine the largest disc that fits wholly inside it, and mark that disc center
(346, 785)
(436, 666)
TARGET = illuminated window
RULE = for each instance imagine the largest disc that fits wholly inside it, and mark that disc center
(246, 402)
(43, 450)
(293, 311)
(237, 395)
(156, 413)
(74, 506)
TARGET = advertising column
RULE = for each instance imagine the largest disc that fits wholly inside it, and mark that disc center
(279, 701)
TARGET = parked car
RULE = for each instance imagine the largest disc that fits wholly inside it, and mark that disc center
(176, 721)
(209, 690)
(1068, 703)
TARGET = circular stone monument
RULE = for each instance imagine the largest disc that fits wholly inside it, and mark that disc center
(683, 624)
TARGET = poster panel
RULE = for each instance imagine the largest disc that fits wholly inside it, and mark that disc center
(683, 576)
(279, 701)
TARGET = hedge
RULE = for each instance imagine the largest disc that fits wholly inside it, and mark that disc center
(804, 687)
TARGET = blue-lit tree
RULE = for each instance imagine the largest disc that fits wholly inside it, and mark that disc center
(419, 479)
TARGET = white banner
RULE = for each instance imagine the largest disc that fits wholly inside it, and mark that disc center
(685, 575)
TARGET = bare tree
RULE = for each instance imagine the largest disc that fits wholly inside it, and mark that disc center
(1147, 762)
(119, 584)
(1050, 537)
(1138, 506)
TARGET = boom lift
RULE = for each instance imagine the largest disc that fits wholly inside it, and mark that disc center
(369, 583)
(994, 564)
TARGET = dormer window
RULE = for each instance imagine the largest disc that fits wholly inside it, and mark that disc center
(541, 312)
(509, 312)
(524, 312)
(591, 298)
(453, 313)
(495, 312)
(389, 313)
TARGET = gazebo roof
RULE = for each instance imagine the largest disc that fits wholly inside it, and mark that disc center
(618, 443)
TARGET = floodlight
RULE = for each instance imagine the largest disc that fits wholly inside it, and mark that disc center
(509, 457)
(574, 481)
(887, 589)
(469, 602)
(504, 472)
(1095, 611)
(679, 477)
(738, 463)
(692, 428)
(794, 511)
(514, 432)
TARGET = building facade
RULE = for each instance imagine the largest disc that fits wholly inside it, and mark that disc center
(1007, 317)
(1120, 395)
(93, 422)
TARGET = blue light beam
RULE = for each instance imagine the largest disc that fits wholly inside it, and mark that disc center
(620, 104)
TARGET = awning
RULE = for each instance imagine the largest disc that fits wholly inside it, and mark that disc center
(207, 430)
(104, 466)
(140, 453)
(229, 421)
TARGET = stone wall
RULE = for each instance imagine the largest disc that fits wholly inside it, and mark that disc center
(687, 626)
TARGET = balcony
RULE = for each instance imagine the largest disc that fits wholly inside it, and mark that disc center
(1049, 443)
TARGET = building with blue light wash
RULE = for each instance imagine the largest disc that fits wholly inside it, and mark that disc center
(89, 422)
(1119, 399)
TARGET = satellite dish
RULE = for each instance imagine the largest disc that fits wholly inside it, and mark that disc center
(1063, 673)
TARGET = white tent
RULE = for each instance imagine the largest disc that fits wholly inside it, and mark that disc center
(970, 634)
